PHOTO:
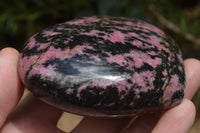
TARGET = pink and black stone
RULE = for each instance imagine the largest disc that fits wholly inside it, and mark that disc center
(99, 66)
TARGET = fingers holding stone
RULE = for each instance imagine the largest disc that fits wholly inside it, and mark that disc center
(11, 89)
(33, 116)
(192, 71)
(178, 119)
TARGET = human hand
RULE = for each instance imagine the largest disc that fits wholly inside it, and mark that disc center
(33, 116)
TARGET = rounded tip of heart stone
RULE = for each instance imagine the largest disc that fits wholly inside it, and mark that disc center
(104, 67)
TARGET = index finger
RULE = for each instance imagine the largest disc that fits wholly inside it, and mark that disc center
(192, 71)
(10, 86)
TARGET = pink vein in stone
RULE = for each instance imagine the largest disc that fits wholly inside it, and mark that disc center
(123, 86)
(24, 65)
(138, 43)
(138, 57)
(116, 36)
(145, 80)
(50, 33)
(154, 41)
(32, 42)
(63, 29)
(119, 59)
(51, 54)
(43, 46)
(180, 60)
(45, 72)
(173, 86)
(91, 33)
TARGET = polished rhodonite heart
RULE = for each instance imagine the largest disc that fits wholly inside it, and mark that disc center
(104, 66)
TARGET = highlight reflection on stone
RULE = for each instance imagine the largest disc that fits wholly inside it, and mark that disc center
(104, 65)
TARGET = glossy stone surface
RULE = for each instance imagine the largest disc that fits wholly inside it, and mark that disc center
(104, 65)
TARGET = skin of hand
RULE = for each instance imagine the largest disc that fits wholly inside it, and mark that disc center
(33, 116)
